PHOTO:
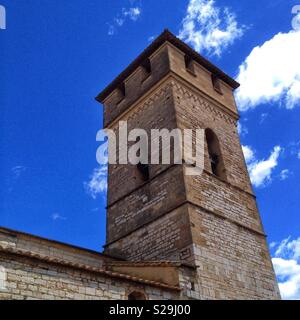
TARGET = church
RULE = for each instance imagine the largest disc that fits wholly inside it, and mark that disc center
(168, 235)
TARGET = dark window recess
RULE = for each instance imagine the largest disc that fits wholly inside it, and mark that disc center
(136, 296)
(122, 91)
(216, 83)
(146, 64)
(189, 65)
(193, 286)
(214, 154)
(214, 160)
(144, 170)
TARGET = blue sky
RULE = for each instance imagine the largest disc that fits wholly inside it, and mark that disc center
(56, 56)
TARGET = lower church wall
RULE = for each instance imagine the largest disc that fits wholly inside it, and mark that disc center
(23, 278)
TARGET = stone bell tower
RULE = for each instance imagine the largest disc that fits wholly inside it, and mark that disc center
(157, 212)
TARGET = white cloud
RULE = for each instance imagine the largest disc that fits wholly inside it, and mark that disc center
(260, 171)
(271, 73)
(298, 155)
(287, 268)
(97, 183)
(242, 130)
(132, 13)
(248, 153)
(288, 273)
(56, 216)
(208, 28)
(289, 249)
(284, 174)
(119, 21)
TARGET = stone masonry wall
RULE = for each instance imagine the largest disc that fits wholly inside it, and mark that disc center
(232, 262)
(223, 199)
(201, 79)
(137, 84)
(229, 245)
(150, 201)
(195, 110)
(131, 201)
(26, 280)
(164, 239)
(154, 112)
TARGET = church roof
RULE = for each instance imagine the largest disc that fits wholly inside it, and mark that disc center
(165, 36)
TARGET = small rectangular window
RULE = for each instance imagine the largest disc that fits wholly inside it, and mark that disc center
(189, 65)
(146, 64)
(216, 83)
(122, 91)
(122, 88)
(144, 170)
(146, 69)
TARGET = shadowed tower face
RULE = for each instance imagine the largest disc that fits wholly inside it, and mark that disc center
(156, 211)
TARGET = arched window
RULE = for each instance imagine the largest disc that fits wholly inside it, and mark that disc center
(136, 295)
(214, 153)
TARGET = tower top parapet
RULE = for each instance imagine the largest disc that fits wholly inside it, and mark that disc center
(166, 35)
(153, 64)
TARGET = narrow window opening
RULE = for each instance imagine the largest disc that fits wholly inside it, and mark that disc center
(189, 65)
(144, 170)
(214, 154)
(193, 286)
(214, 161)
(216, 83)
(146, 64)
(122, 91)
